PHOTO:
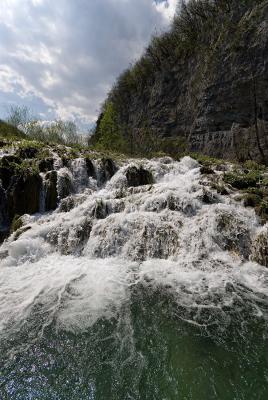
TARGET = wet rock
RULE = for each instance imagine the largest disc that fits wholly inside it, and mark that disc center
(233, 234)
(251, 200)
(46, 165)
(20, 231)
(209, 197)
(72, 239)
(67, 204)
(17, 223)
(51, 194)
(90, 168)
(7, 169)
(138, 237)
(3, 215)
(101, 210)
(138, 176)
(24, 194)
(205, 170)
(64, 185)
(260, 248)
(220, 189)
(108, 169)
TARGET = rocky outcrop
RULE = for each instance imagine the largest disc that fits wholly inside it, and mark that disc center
(107, 169)
(51, 194)
(138, 176)
(38, 178)
(209, 87)
(24, 194)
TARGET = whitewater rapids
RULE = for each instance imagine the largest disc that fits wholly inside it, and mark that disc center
(75, 267)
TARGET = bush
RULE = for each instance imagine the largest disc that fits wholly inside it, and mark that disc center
(243, 181)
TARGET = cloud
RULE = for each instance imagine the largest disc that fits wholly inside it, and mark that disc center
(61, 57)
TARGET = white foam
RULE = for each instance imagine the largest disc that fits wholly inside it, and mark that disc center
(160, 235)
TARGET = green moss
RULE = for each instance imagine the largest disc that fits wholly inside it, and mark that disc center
(206, 160)
(221, 189)
(241, 180)
(251, 200)
(262, 211)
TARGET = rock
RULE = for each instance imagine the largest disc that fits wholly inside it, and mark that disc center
(51, 195)
(203, 94)
(67, 204)
(251, 200)
(232, 234)
(7, 169)
(101, 210)
(204, 170)
(27, 152)
(108, 169)
(64, 185)
(4, 228)
(138, 176)
(46, 165)
(259, 251)
(90, 168)
(24, 194)
(17, 223)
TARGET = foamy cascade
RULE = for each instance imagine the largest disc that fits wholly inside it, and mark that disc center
(80, 263)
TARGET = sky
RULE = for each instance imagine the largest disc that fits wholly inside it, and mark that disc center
(61, 57)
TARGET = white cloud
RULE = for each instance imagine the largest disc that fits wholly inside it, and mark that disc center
(64, 55)
(167, 8)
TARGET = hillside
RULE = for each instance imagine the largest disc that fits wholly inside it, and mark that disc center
(201, 87)
(8, 131)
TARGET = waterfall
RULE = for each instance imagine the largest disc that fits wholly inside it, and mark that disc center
(171, 237)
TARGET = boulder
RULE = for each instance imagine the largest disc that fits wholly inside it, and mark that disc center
(138, 176)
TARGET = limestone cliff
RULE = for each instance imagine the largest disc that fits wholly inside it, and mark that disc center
(205, 81)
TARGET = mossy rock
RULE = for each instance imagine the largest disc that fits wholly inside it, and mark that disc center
(220, 189)
(46, 165)
(262, 211)
(242, 181)
(51, 194)
(205, 170)
(251, 200)
(24, 194)
(27, 152)
(260, 248)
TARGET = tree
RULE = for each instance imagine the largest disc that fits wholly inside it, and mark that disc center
(109, 133)
(19, 116)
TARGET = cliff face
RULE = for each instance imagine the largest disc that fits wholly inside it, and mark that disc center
(211, 88)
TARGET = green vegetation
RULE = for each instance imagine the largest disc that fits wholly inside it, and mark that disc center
(21, 124)
(197, 32)
(242, 180)
(108, 136)
(10, 132)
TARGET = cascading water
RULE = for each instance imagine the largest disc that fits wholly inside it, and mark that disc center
(135, 292)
